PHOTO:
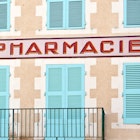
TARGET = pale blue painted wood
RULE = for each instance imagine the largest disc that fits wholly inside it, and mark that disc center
(132, 93)
(132, 13)
(68, 14)
(4, 15)
(4, 101)
(54, 99)
(71, 79)
(75, 99)
(76, 14)
(55, 14)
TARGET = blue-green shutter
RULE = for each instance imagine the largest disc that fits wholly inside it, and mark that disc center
(65, 14)
(75, 89)
(132, 13)
(132, 93)
(75, 14)
(54, 99)
(4, 15)
(55, 14)
(4, 101)
(75, 100)
(65, 89)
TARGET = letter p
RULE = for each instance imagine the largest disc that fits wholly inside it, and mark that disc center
(2, 46)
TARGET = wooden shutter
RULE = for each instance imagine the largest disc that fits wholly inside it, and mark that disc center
(75, 92)
(75, 13)
(55, 14)
(65, 14)
(75, 95)
(132, 93)
(65, 89)
(133, 12)
(4, 100)
(54, 99)
(4, 14)
(54, 86)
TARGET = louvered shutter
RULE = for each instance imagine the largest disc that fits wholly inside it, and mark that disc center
(55, 96)
(65, 14)
(4, 100)
(75, 13)
(55, 11)
(132, 93)
(4, 14)
(75, 86)
(133, 12)
(65, 89)
(55, 86)
(75, 99)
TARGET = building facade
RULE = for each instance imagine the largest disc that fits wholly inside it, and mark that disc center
(71, 54)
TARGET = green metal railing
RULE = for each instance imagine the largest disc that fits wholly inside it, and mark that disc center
(81, 123)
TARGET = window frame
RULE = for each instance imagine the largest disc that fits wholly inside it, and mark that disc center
(65, 15)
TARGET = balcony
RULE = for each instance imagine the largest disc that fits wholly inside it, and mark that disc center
(52, 124)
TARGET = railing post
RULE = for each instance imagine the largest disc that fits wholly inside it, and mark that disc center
(103, 124)
(13, 125)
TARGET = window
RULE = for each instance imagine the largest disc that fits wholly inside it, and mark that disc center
(4, 100)
(65, 89)
(132, 93)
(4, 15)
(132, 13)
(65, 14)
